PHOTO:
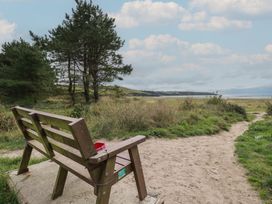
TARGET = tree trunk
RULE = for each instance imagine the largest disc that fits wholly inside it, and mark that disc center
(86, 79)
(71, 81)
(95, 91)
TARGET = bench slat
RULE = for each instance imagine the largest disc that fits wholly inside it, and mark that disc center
(57, 121)
(27, 123)
(67, 153)
(60, 136)
(33, 135)
(23, 112)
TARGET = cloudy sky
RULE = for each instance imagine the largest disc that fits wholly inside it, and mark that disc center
(200, 45)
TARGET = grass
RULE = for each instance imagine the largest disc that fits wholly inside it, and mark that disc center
(254, 150)
(125, 117)
(7, 196)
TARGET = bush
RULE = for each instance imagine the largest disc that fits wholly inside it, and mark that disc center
(228, 107)
(268, 108)
(7, 121)
(187, 104)
(79, 111)
(215, 100)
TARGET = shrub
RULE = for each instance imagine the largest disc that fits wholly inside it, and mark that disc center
(7, 121)
(188, 104)
(216, 100)
(269, 108)
(235, 108)
(79, 111)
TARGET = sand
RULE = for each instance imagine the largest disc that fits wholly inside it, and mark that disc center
(201, 169)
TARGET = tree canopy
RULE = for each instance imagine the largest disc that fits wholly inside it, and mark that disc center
(25, 73)
(86, 47)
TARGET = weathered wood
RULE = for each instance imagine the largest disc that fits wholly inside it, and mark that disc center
(19, 123)
(60, 182)
(58, 121)
(34, 135)
(138, 172)
(25, 160)
(60, 136)
(116, 149)
(42, 134)
(27, 123)
(83, 138)
(104, 186)
(67, 153)
(67, 142)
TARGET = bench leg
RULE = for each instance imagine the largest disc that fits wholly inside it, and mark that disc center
(25, 160)
(138, 172)
(103, 191)
(60, 182)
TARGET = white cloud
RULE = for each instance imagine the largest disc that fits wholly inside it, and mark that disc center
(250, 7)
(268, 48)
(207, 49)
(138, 12)
(213, 23)
(141, 12)
(166, 62)
(164, 43)
(6, 29)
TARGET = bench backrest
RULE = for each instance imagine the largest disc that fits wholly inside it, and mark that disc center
(57, 134)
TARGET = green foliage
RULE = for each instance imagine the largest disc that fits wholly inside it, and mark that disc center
(222, 104)
(25, 74)
(7, 164)
(269, 108)
(187, 104)
(216, 100)
(254, 150)
(7, 122)
(79, 111)
(86, 46)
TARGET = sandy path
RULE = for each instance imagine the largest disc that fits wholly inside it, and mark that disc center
(200, 169)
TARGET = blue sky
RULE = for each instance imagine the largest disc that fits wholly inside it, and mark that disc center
(201, 45)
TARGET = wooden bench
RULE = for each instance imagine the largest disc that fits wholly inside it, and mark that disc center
(67, 142)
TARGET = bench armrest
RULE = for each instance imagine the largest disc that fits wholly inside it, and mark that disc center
(116, 149)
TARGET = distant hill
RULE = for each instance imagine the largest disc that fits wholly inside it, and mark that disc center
(169, 93)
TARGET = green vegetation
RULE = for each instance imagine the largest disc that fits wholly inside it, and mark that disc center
(25, 73)
(254, 150)
(85, 47)
(124, 117)
(7, 164)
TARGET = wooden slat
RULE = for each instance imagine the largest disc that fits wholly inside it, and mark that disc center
(38, 146)
(33, 135)
(40, 131)
(60, 136)
(55, 120)
(24, 112)
(73, 167)
(27, 123)
(66, 153)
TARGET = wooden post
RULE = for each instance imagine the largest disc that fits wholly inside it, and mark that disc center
(138, 172)
(104, 186)
(36, 122)
(60, 182)
(25, 160)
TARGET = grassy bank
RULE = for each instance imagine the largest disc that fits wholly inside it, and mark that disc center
(126, 117)
(254, 150)
(7, 164)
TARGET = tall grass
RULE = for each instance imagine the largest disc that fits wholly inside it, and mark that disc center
(125, 117)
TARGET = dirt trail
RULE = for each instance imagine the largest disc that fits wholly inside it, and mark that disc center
(201, 169)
